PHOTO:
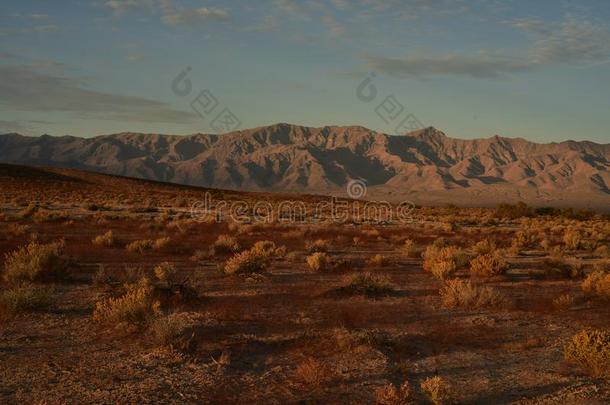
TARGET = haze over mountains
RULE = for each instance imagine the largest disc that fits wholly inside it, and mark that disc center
(425, 166)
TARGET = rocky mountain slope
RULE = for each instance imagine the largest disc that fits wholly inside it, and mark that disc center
(425, 165)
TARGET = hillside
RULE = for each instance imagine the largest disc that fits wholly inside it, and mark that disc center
(424, 166)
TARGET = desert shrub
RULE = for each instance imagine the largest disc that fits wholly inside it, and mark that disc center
(281, 252)
(392, 395)
(319, 245)
(371, 233)
(312, 372)
(489, 264)
(465, 294)
(34, 262)
(442, 262)
(164, 271)
(226, 244)
(408, 248)
(437, 390)
(368, 284)
(136, 306)
(140, 246)
(319, 261)
(106, 239)
(25, 297)
(572, 238)
(161, 243)
(563, 302)
(166, 330)
(484, 247)
(265, 248)
(378, 261)
(292, 256)
(597, 282)
(248, 261)
(524, 239)
(443, 269)
(591, 351)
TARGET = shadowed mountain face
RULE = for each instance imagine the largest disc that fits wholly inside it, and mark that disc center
(425, 165)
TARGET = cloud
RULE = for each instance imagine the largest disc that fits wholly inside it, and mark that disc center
(170, 12)
(32, 88)
(531, 25)
(574, 40)
(122, 6)
(38, 16)
(480, 66)
(194, 16)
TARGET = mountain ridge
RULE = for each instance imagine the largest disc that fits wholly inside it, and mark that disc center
(284, 157)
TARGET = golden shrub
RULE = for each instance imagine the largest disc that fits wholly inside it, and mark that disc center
(443, 269)
(563, 302)
(140, 246)
(319, 245)
(319, 261)
(265, 248)
(34, 262)
(437, 390)
(25, 297)
(484, 247)
(164, 271)
(106, 239)
(392, 395)
(378, 261)
(134, 307)
(489, 264)
(248, 261)
(443, 261)
(368, 284)
(572, 238)
(597, 283)
(226, 244)
(161, 243)
(591, 351)
(465, 294)
(165, 330)
(312, 372)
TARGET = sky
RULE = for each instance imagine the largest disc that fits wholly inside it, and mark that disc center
(539, 70)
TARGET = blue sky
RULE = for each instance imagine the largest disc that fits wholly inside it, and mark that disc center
(538, 70)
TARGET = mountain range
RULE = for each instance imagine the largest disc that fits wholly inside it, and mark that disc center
(424, 166)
